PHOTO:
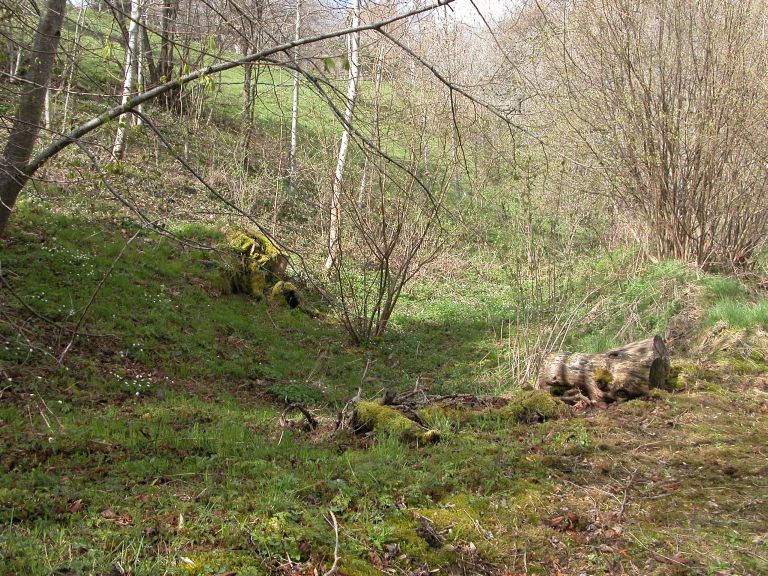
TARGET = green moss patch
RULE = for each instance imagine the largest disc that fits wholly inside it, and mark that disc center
(372, 416)
(255, 265)
(285, 294)
(530, 406)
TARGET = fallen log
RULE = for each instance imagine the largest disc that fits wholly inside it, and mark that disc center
(413, 417)
(370, 416)
(619, 374)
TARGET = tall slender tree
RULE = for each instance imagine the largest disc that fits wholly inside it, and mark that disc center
(354, 73)
(26, 124)
(295, 107)
(131, 72)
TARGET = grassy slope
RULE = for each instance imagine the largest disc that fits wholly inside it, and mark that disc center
(155, 448)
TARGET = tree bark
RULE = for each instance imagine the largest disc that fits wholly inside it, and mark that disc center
(154, 76)
(131, 72)
(253, 35)
(335, 214)
(26, 124)
(619, 374)
(75, 50)
(294, 108)
(167, 47)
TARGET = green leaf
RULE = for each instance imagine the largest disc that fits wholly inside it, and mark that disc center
(329, 64)
(107, 51)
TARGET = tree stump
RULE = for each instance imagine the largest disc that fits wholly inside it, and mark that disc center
(620, 374)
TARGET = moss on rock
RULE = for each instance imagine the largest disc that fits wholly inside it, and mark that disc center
(255, 264)
(258, 248)
(372, 416)
(285, 294)
(521, 407)
(603, 377)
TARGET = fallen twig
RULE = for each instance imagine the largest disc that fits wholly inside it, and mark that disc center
(335, 565)
(95, 293)
(312, 422)
(625, 499)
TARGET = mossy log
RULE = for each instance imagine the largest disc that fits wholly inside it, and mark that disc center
(413, 418)
(619, 374)
(373, 416)
(259, 249)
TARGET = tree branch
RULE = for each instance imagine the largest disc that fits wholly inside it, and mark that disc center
(94, 123)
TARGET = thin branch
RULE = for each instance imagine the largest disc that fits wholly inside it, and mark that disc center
(21, 301)
(94, 123)
(95, 292)
(311, 420)
(335, 565)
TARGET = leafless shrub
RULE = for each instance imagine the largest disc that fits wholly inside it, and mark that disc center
(391, 231)
(669, 99)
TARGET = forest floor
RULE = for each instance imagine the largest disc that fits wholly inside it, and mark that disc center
(154, 446)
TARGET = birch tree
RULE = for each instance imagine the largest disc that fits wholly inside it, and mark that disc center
(354, 66)
(131, 72)
(295, 107)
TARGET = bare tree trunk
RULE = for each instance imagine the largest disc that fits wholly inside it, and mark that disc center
(167, 45)
(253, 39)
(376, 123)
(247, 107)
(154, 76)
(26, 124)
(295, 109)
(141, 71)
(354, 65)
(129, 84)
(47, 110)
(17, 62)
(71, 71)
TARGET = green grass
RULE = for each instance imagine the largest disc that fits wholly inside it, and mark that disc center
(740, 314)
(155, 447)
(731, 302)
(719, 288)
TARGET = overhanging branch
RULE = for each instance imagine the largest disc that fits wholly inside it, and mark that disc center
(94, 123)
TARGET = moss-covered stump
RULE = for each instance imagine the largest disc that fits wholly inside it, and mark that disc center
(285, 294)
(256, 263)
(372, 416)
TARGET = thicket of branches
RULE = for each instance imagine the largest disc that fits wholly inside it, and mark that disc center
(372, 135)
(158, 69)
(660, 107)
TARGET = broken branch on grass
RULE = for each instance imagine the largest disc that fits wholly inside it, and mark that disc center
(335, 565)
(95, 293)
(312, 422)
(346, 414)
(625, 499)
(21, 301)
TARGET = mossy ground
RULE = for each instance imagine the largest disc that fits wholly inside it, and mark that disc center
(155, 449)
